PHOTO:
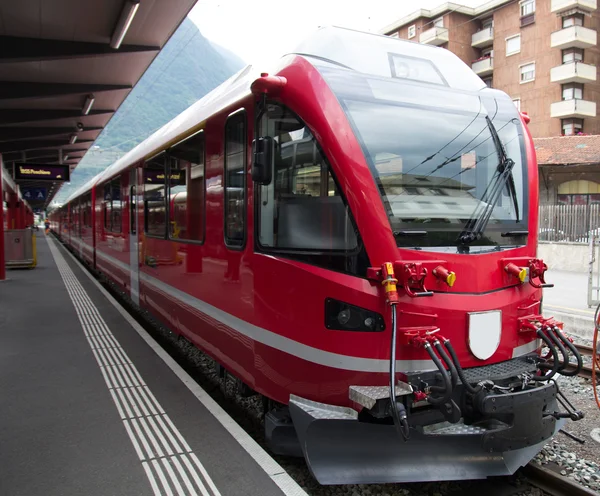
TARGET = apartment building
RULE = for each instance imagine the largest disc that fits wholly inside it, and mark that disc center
(543, 53)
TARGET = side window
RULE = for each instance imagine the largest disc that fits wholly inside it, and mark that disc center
(302, 208)
(116, 218)
(132, 210)
(112, 205)
(187, 189)
(235, 180)
(155, 205)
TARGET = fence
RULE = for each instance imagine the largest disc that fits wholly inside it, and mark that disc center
(569, 223)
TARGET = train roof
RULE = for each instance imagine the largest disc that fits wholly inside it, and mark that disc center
(361, 52)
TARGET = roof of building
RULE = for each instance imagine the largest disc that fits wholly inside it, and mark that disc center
(568, 150)
(440, 10)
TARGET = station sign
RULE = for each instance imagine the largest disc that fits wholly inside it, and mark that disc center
(42, 172)
(34, 194)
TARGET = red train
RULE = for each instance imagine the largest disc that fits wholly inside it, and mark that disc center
(367, 212)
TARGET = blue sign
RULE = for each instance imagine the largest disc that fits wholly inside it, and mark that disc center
(34, 194)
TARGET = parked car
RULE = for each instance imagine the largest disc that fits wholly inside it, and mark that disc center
(551, 234)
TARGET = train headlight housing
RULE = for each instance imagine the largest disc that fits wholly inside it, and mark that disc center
(345, 317)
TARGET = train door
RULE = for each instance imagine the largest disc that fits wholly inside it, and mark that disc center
(133, 237)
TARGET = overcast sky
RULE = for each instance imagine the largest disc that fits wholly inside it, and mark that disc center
(259, 31)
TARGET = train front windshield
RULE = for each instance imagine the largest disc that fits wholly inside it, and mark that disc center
(439, 157)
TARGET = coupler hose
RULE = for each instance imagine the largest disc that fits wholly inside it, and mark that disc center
(446, 390)
(554, 368)
(444, 356)
(562, 349)
(575, 352)
(398, 409)
(459, 370)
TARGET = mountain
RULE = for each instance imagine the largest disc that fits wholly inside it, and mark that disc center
(187, 68)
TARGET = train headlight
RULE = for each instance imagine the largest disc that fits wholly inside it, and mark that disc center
(345, 317)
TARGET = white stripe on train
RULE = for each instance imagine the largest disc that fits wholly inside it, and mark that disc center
(287, 345)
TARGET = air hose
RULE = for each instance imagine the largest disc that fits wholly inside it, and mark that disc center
(446, 390)
(448, 361)
(459, 370)
(555, 364)
(398, 409)
(563, 351)
(575, 352)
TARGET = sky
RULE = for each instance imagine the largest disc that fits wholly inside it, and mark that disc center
(260, 31)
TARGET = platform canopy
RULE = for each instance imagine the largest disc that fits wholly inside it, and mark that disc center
(65, 68)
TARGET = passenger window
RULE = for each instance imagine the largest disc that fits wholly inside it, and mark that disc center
(112, 205)
(155, 206)
(132, 210)
(302, 208)
(186, 189)
(235, 180)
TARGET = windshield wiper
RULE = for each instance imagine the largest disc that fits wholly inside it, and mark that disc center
(483, 212)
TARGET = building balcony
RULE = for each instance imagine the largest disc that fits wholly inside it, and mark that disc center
(574, 36)
(558, 6)
(573, 108)
(574, 72)
(483, 67)
(434, 36)
(483, 38)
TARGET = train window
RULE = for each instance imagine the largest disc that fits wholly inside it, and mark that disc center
(187, 189)
(235, 180)
(112, 206)
(302, 207)
(132, 209)
(155, 205)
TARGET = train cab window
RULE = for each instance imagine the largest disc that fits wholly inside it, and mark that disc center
(187, 189)
(302, 209)
(112, 206)
(235, 180)
(155, 205)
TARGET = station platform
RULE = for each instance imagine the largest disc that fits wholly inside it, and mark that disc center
(91, 405)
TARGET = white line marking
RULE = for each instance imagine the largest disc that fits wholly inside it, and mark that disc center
(184, 477)
(151, 478)
(127, 388)
(166, 463)
(136, 445)
(166, 430)
(192, 471)
(162, 478)
(205, 474)
(160, 436)
(279, 476)
(177, 433)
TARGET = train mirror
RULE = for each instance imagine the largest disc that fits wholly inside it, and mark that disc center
(262, 163)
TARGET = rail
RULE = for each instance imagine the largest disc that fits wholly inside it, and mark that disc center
(552, 483)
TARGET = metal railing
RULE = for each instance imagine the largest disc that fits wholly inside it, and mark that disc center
(569, 223)
(20, 248)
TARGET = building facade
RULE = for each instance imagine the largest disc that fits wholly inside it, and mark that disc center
(543, 53)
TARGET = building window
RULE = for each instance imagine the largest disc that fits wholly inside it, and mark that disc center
(412, 31)
(570, 55)
(513, 45)
(439, 22)
(517, 102)
(186, 189)
(527, 7)
(573, 20)
(487, 23)
(488, 82)
(527, 72)
(571, 127)
(235, 180)
(112, 206)
(572, 91)
(155, 203)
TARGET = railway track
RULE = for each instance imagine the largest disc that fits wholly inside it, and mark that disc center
(552, 483)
